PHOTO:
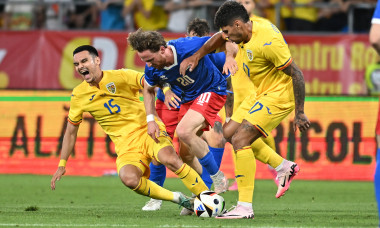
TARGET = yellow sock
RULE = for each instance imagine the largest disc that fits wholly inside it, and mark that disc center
(153, 190)
(245, 171)
(191, 179)
(264, 153)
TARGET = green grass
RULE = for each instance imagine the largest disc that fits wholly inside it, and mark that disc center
(27, 201)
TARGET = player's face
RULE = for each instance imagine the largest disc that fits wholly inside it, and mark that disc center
(153, 59)
(86, 65)
(249, 5)
(233, 32)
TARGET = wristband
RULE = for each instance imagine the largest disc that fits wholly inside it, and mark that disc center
(150, 118)
(165, 89)
(62, 163)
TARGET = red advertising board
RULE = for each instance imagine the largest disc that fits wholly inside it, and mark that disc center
(332, 64)
(339, 145)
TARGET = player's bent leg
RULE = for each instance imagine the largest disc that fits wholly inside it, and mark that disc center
(189, 158)
(132, 177)
(188, 176)
(245, 171)
(191, 123)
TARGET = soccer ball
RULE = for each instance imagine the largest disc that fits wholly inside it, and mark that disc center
(208, 204)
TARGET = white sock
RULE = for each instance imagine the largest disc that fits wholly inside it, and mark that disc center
(175, 197)
(278, 168)
(245, 204)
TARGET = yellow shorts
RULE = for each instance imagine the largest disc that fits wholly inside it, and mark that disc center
(140, 149)
(264, 112)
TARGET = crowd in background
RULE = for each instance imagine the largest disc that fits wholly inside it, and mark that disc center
(174, 15)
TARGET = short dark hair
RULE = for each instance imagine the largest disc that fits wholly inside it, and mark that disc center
(146, 40)
(199, 26)
(228, 12)
(88, 48)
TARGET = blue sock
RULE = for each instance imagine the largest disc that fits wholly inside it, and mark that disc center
(218, 154)
(157, 173)
(209, 164)
(377, 180)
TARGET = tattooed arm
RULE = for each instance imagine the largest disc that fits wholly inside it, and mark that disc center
(301, 121)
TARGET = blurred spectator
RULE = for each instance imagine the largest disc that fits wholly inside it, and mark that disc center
(81, 15)
(146, 15)
(266, 9)
(23, 16)
(304, 17)
(181, 12)
(2, 7)
(54, 21)
(111, 14)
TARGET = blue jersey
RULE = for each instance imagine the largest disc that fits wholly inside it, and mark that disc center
(218, 59)
(376, 14)
(206, 77)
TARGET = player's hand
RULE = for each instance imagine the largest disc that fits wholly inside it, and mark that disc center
(153, 131)
(230, 66)
(171, 100)
(188, 64)
(57, 176)
(301, 122)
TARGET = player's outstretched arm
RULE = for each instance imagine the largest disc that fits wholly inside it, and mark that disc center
(230, 66)
(212, 44)
(300, 121)
(67, 147)
(149, 97)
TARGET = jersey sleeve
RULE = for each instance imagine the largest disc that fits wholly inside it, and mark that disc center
(149, 76)
(75, 112)
(134, 78)
(277, 51)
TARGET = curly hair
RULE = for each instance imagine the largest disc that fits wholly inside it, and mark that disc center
(228, 12)
(146, 40)
(199, 26)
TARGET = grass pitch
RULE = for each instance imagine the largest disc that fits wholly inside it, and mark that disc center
(27, 201)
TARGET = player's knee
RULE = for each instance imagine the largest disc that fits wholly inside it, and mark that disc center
(173, 163)
(238, 141)
(131, 180)
(183, 134)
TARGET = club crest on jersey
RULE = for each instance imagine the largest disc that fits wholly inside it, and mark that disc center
(249, 55)
(111, 87)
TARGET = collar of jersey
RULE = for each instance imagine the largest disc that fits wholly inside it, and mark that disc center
(175, 58)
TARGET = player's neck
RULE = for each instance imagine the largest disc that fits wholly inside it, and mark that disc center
(248, 27)
(97, 80)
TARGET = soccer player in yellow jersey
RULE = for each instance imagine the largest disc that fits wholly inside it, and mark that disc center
(280, 88)
(112, 98)
(242, 87)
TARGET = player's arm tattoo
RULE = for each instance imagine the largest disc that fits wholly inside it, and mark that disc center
(229, 105)
(298, 86)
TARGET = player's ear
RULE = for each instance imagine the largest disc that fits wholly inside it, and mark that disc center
(162, 49)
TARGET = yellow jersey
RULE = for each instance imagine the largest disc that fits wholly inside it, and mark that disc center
(241, 84)
(264, 57)
(115, 105)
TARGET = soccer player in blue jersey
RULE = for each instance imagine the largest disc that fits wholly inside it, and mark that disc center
(214, 137)
(374, 38)
(202, 92)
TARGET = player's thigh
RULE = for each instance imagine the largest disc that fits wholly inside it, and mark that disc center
(191, 122)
